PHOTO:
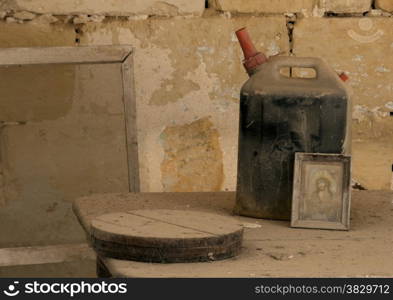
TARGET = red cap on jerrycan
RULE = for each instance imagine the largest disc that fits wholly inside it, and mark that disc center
(252, 58)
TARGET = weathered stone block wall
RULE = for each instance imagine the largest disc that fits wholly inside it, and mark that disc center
(188, 76)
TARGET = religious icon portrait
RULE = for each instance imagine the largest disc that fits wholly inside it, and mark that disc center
(321, 191)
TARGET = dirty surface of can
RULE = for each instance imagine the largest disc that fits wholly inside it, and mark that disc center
(280, 116)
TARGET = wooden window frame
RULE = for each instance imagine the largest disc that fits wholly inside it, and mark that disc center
(92, 55)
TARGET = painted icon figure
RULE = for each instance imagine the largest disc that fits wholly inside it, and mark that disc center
(321, 204)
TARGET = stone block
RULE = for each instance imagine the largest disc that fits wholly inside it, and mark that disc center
(107, 7)
(24, 15)
(345, 6)
(264, 6)
(386, 5)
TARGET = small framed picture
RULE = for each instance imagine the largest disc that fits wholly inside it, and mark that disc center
(321, 191)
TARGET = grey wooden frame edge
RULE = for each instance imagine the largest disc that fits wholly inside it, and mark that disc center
(65, 55)
(91, 55)
(131, 123)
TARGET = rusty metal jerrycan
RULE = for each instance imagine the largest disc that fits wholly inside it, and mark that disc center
(280, 116)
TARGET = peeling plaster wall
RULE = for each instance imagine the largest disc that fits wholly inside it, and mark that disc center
(193, 158)
(182, 77)
(188, 75)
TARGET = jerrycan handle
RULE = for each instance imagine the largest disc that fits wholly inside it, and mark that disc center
(322, 70)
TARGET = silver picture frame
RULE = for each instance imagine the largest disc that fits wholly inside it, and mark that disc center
(321, 196)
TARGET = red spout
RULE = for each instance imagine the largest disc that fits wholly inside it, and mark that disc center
(252, 58)
(344, 77)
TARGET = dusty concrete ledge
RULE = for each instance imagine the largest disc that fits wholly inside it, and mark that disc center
(73, 269)
(271, 248)
(44, 255)
(67, 260)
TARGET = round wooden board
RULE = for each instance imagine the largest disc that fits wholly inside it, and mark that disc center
(166, 236)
